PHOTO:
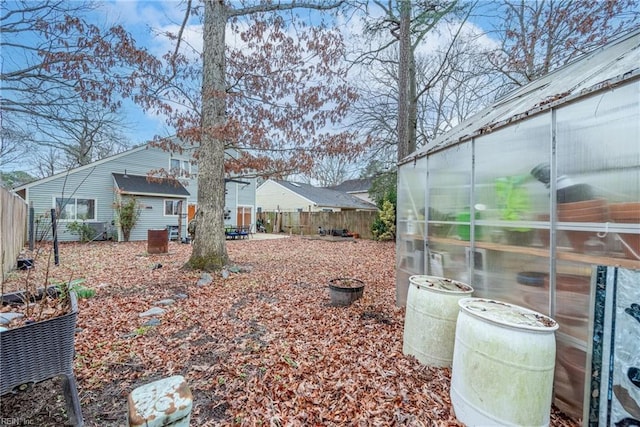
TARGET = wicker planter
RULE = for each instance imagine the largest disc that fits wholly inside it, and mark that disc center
(39, 351)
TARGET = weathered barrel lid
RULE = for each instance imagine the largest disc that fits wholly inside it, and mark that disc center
(507, 314)
(442, 284)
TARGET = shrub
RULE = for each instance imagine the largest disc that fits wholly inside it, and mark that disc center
(384, 227)
(82, 230)
(127, 214)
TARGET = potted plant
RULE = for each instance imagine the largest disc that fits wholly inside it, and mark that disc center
(38, 344)
(514, 205)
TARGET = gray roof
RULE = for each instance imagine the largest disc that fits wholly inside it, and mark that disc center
(602, 69)
(137, 184)
(326, 197)
(353, 185)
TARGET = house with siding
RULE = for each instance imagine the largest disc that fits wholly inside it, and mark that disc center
(282, 196)
(89, 193)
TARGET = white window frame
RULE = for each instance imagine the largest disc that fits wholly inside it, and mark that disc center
(74, 200)
(174, 207)
(184, 168)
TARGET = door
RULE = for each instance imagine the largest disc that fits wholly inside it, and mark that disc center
(191, 211)
(243, 217)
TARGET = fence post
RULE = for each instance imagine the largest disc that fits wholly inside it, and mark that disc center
(31, 225)
(54, 226)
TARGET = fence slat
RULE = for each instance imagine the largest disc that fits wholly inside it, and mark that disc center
(13, 220)
(308, 222)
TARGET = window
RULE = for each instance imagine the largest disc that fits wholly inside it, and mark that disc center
(73, 209)
(172, 207)
(180, 168)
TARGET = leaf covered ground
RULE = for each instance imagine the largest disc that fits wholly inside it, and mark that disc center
(261, 347)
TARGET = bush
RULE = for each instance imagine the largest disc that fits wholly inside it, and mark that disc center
(127, 215)
(82, 230)
(384, 227)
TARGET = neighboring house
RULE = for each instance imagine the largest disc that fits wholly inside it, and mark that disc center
(356, 187)
(88, 194)
(274, 195)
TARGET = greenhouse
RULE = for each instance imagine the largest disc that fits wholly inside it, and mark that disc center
(535, 201)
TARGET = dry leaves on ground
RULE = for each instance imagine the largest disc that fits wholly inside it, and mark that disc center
(263, 346)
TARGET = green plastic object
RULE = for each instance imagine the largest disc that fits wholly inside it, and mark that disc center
(464, 230)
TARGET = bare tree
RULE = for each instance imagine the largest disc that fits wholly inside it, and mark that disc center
(407, 23)
(14, 144)
(54, 60)
(456, 80)
(87, 133)
(538, 36)
(447, 83)
(47, 162)
(331, 171)
(455, 84)
(406, 86)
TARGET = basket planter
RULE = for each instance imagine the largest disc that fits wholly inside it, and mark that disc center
(345, 290)
(40, 351)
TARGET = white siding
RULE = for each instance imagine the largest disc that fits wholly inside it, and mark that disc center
(96, 182)
(271, 196)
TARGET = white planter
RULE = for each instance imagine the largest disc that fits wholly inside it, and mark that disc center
(430, 318)
(503, 364)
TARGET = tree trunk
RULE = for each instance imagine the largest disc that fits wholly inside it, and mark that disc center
(412, 119)
(403, 79)
(209, 248)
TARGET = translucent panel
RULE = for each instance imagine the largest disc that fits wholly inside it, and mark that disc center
(449, 192)
(411, 190)
(599, 143)
(508, 195)
(449, 198)
(410, 222)
(514, 277)
(569, 384)
(598, 157)
(446, 260)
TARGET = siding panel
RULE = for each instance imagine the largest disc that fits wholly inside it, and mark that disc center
(96, 182)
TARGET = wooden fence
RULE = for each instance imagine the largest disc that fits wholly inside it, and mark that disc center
(13, 220)
(308, 222)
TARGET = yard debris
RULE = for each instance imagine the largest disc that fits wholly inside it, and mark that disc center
(255, 349)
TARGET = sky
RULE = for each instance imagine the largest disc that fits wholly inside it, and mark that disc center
(144, 19)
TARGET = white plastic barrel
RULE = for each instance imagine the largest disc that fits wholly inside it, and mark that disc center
(503, 364)
(430, 318)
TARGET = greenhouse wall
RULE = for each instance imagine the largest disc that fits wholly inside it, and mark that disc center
(525, 214)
